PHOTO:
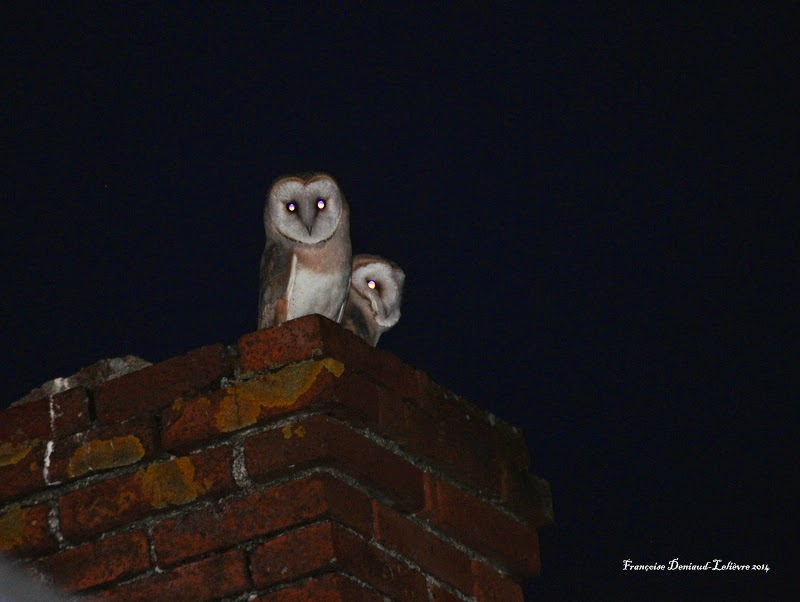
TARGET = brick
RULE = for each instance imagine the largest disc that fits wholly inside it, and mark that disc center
(26, 422)
(458, 447)
(482, 527)
(294, 555)
(187, 423)
(103, 448)
(491, 586)
(261, 513)
(512, 446)
(325, 546)
(423, 548)
(108, 504)
(347, 505)
(70, 412)
(331, 587)
(362, 400)
(392, 372)
(527, 496)
(32, 420)
(24, 532)
(292, 341)
(21, 468)
(104, 561)
(315, 336)
(212, 578)
(321, 441)
(151, 388)
(383, 572)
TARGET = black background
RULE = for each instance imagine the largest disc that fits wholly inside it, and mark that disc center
(590, 207)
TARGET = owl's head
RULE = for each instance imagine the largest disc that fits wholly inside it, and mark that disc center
(306, 210)
(376, 286)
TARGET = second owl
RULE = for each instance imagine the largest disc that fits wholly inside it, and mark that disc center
(305, 267)
(376, 290)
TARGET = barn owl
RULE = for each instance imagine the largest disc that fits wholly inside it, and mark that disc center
(373, 304)
(305, 267)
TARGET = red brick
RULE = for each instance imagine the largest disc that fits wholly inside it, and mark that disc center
(459, 447)
(331, 587)
(439, 594)
(21, 468)
(395, 374)
(261, 513)
(355, 398)
(365, 402)
(482, 527)
(527, 496)
(325, 546)
(26, 422)
(347, 505)
(91, 564)
(24, 532)
(212, 578)
(383, 572)
(108, 504)
(424, 549)
(512, 446)
(292, 341)
(491, 586)
(70, 412)
(316, 336)
(187, 423)
(294, 555)
(152, 388)
(320, 441)
(103, 448)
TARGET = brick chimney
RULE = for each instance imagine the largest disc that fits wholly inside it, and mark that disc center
(300, 464)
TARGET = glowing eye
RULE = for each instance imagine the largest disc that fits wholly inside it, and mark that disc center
(320, 203)
(290, 206)
(371, 283)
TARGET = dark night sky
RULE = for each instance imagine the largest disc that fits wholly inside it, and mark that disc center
(589, 206)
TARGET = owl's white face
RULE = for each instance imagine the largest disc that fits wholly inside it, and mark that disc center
(378, 287)
(305, 211)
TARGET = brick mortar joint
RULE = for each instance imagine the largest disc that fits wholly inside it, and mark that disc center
(449, 588)
(54, 523)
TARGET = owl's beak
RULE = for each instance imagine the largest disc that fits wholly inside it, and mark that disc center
(308, 222)
(307, 215)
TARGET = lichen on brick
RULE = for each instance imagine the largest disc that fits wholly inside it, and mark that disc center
(105, 453)
(288, 433)
(12, 527)
(243, 402)
(13, 453)
(171, 482)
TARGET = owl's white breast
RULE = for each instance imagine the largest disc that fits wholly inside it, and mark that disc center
(313, 292)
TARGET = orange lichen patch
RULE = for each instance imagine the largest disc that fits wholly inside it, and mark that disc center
(13, 453)
(171, 482)
(243, 402)
(12, 528)
(105, 453)
(288, 433)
